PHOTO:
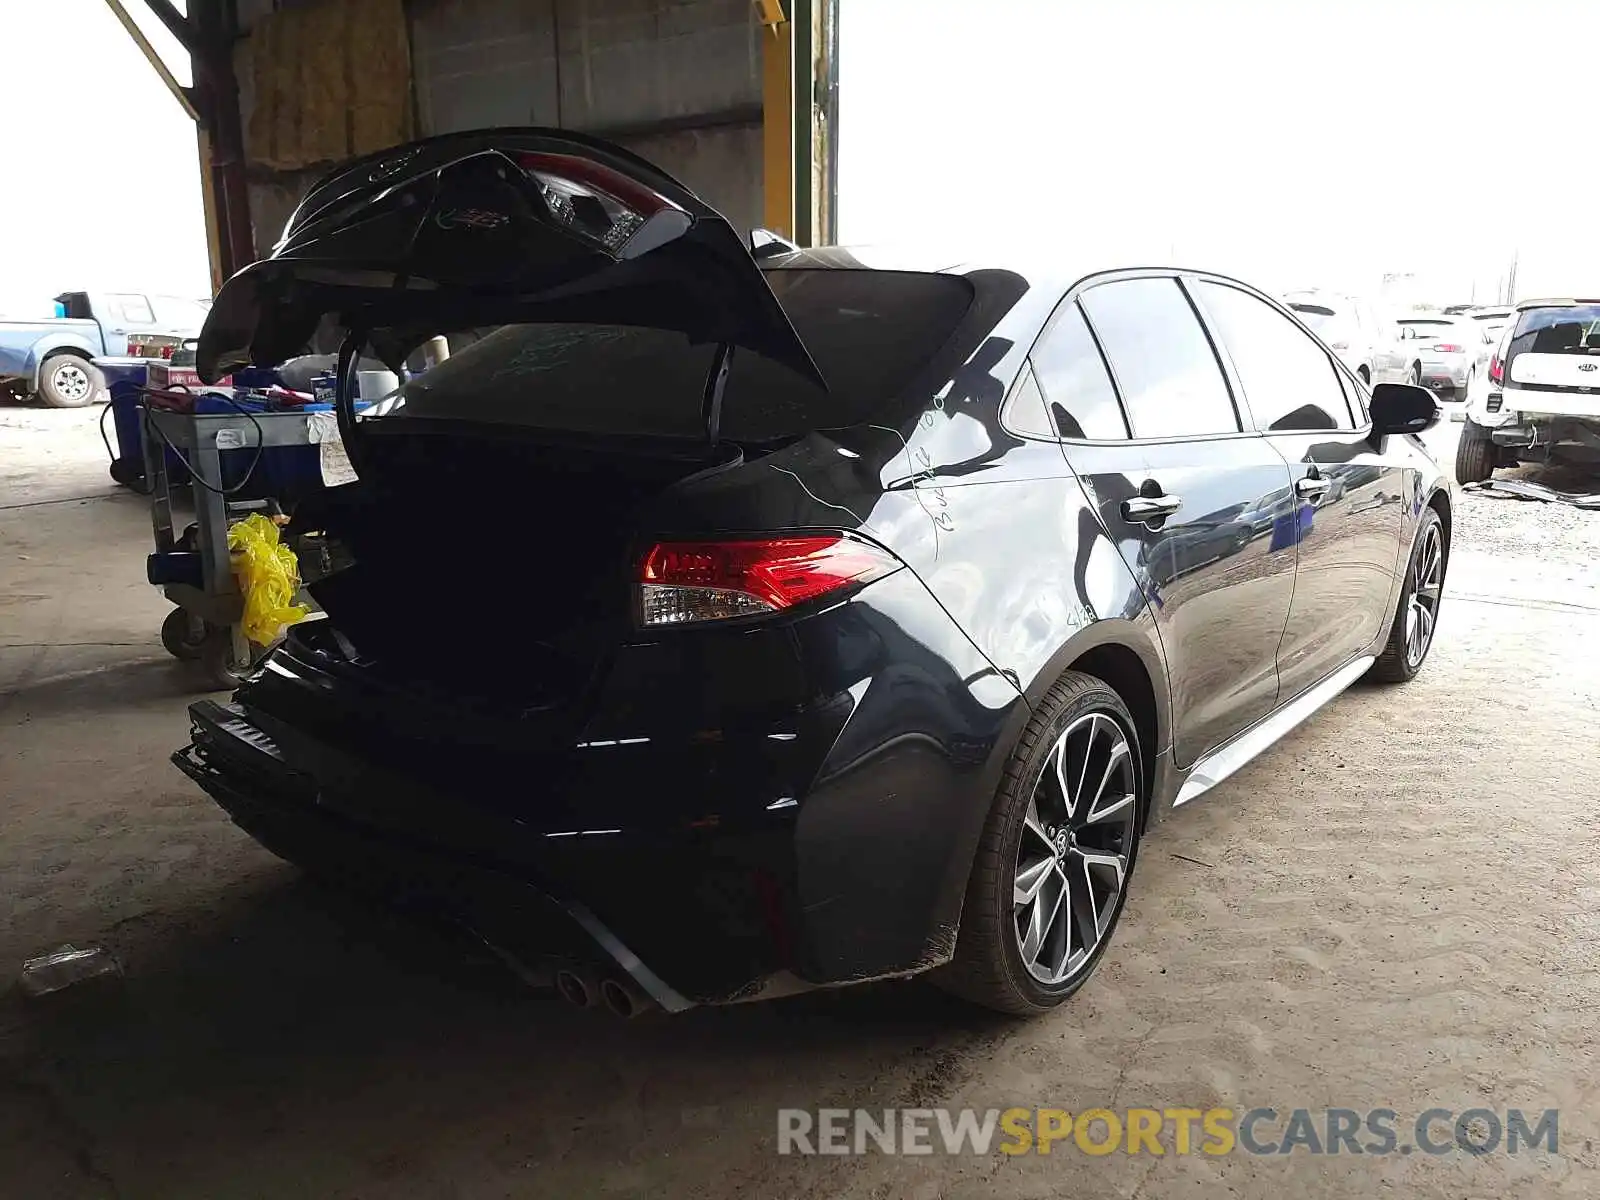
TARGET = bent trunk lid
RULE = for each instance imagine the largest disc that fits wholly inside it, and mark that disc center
(498, 227)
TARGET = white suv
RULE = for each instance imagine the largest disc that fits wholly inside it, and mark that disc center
(1364, 341)
(1543, 399)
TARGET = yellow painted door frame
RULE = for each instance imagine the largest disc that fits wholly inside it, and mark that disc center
(777, 119)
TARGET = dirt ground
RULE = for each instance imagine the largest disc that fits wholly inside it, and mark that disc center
(1394, 908)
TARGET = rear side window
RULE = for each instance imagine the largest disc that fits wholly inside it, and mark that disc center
(1161, 358)
(1072, 375)
(1288, 380)
(870, 332)
(1025, 413)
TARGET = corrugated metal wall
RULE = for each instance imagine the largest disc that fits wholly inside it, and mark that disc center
(678, 81)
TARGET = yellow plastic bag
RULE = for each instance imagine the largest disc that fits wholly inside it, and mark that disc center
(268, 576)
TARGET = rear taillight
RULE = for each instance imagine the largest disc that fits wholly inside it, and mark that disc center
(154, 346)
(1497, 371)
(682, 583)
(604, 205)
(1446, 348)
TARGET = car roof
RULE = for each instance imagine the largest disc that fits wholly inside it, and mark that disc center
(1319, 296)
(1525, 305)
(1041, 274)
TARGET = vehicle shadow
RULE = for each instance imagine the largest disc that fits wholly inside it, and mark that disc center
(316, 1043)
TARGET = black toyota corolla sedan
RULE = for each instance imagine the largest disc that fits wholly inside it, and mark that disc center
(722, 620)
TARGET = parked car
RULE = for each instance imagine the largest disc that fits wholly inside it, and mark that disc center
(53, 358)
(857, 634)
(1493, 322)
(1448, 349)
(1542, 403)
(1365, 342)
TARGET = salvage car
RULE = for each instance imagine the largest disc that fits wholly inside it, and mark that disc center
(1543, 399)
(728, 622)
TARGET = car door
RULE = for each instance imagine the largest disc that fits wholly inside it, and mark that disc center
(1150, 427)
(1349, 501)
(122, 313)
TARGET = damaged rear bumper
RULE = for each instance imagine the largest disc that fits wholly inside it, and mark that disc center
(243, 770)
(820, 840)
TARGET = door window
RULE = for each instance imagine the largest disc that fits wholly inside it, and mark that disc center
(1081, 400)
(133, 309)
(1288, 380)
(1162, 359)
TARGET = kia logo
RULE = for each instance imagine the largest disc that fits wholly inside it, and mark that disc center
(1586, 366)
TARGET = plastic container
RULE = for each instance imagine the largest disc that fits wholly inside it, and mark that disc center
(125, 378)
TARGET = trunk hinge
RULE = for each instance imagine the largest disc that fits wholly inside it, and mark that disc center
(716, 381)
(346, 389)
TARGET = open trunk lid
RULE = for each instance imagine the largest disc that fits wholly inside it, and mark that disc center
(497, 227)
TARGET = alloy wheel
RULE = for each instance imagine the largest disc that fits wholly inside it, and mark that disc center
(71, 381)
(1427, 583)
(1072, 858)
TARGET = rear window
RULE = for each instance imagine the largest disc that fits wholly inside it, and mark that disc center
(1318, 317)
(870, 332)
(1571, 329)
(1418, 327)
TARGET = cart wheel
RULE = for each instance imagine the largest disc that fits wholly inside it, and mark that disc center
(183, 634)
(128, 475)
(222, 666)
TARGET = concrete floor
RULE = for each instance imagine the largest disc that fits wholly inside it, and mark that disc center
(1393, 908)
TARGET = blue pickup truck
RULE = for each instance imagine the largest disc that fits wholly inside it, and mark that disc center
(53, 359)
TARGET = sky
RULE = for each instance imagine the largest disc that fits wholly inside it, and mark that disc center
(103, 180)
(1291, 142)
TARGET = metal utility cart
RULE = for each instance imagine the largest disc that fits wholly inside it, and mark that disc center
(193, 568)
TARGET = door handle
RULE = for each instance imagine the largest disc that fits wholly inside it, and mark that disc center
(1150, 508)
(1310, 487)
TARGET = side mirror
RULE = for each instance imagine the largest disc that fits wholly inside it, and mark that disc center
(1402, 408)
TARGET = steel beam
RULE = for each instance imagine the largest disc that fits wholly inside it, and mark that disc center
(179, 93)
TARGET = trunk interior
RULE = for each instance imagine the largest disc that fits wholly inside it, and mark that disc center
(491, 564)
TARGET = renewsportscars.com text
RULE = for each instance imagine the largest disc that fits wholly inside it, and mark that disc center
(1162, 1131)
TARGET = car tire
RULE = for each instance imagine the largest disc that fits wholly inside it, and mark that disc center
(1034, 838)
(1475, 453)
(1417, 614)
(68, 381)
(1416, 374)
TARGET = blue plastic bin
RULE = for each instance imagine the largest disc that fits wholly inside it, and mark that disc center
(125, 377)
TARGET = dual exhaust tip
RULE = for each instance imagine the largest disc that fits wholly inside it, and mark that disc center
(583, 987)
